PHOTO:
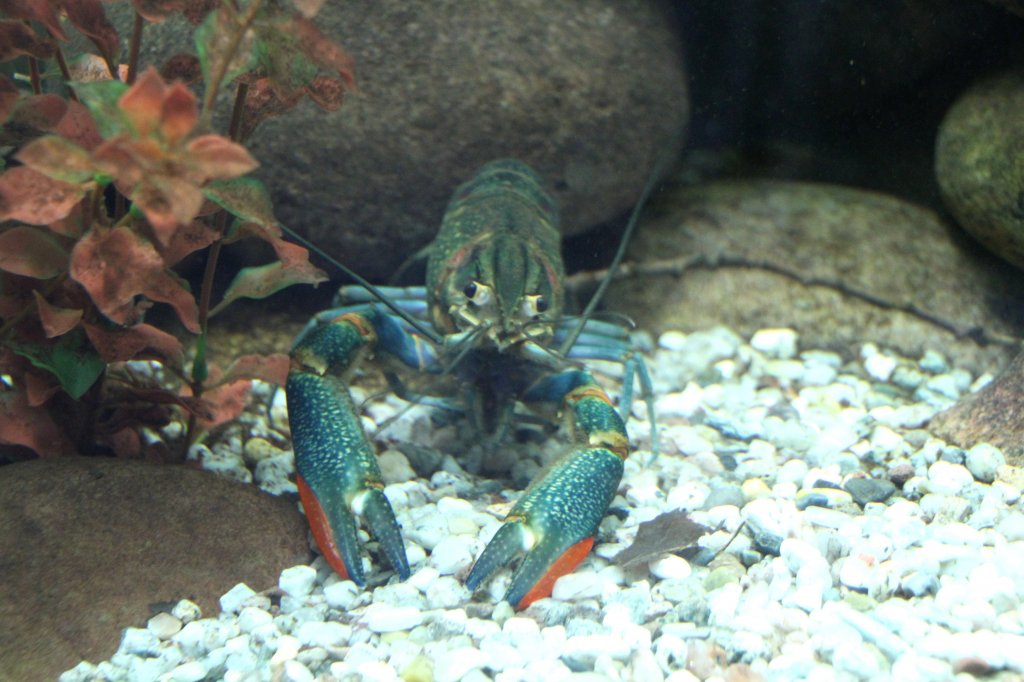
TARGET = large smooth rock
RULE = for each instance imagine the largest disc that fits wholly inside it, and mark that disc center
(90, 545)
(994, 415)
(588, 93)
(978, 164)
(841, 266)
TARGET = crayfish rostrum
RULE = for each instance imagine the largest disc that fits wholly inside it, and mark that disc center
(491, 314)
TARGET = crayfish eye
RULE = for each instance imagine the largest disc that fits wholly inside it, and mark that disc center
(470, 290)
(534, 305)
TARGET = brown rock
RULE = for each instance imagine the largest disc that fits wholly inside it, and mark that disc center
(841, 266)
(994, 415)
(91, 545)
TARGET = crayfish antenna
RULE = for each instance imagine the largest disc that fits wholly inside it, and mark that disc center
(634, 217)
(416, 324)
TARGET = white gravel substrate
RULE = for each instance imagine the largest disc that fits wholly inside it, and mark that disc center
(821, 583)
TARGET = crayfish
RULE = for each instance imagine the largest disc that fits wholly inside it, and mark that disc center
(494, 296)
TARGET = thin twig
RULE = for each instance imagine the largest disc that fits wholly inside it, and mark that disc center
(65, 72)
(134, 45)
(33, 76)
(678, 266)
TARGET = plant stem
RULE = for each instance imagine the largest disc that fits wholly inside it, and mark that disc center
(206, 289)
(237, 111)
(66, 73)
(133, 50)
(33, 75)
(210, 96)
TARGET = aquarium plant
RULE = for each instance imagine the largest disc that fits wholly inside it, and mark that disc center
(111, 174)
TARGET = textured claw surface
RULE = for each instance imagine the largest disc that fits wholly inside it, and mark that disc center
(380, 519)
(505, 544)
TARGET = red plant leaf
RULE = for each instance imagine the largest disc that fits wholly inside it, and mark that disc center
(183, 67)
(78, 126)
(55, 320)
(46, 12)
(58, 158)
(30, 197)
(159, 10)
(271, 368)
(217, 157)
(8, 97)
(89, 17)
(326, 92)
(72, 225)
(32, 252)
(17, 39)
(168, 288)
(293, 256)
(40, 112)
(323, 51)
(39, 387)
(225, 403)
(122, 159)
(32, 427)
(263, 280)
(125, 442)
(268, 232)
(179, 114)
(187, 239)
(168, 202)
(31, 117)
(142, 341)
(262, 102)
(115, 266)
(142, 103)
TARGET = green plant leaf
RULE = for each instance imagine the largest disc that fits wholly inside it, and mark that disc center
(263, 280)
(213, 42)
(72, 359)
(280, 55)
(102, 99)
(244, 198)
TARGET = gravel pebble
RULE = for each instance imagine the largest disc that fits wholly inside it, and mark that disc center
(232, 600)
(845, 542)
(983, 461)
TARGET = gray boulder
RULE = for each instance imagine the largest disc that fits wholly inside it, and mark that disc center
(588, 93)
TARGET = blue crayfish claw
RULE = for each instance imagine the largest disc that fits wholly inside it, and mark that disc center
(554, 523)
(334, 529)
(338, 477)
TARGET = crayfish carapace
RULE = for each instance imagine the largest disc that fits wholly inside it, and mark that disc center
(494, 297)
